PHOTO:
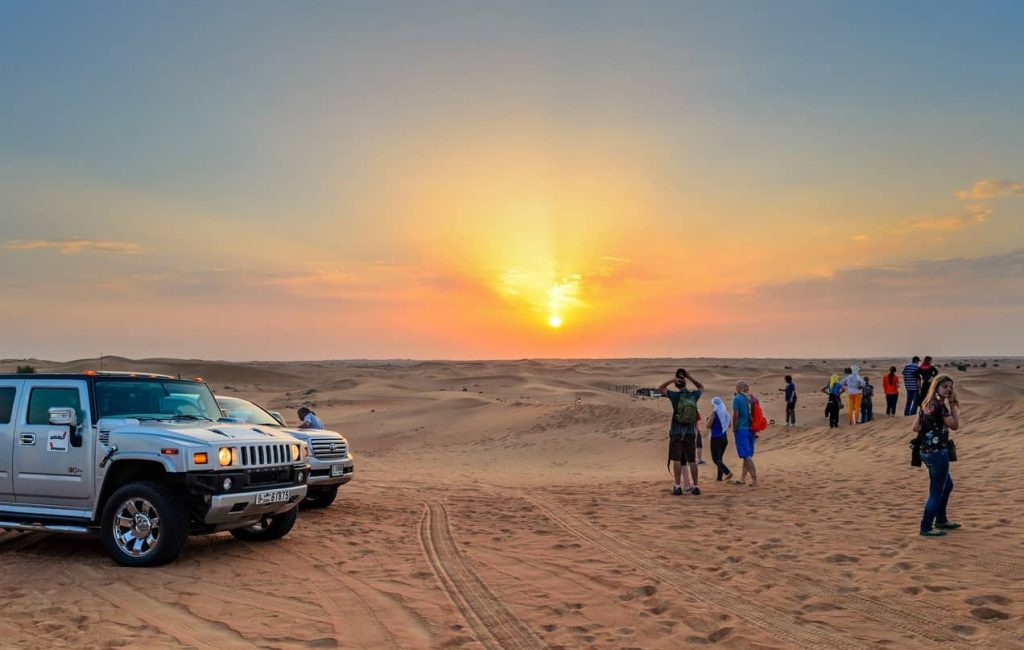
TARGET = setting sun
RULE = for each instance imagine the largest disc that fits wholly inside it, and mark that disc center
(555, 321)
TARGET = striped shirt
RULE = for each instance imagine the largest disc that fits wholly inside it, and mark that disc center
(910, 376)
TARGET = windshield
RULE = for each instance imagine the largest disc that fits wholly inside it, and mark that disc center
(246, 411)
(155, 399)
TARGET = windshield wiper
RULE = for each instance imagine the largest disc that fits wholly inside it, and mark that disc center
(190, 417)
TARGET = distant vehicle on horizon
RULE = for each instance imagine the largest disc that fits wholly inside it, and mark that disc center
(330, 458)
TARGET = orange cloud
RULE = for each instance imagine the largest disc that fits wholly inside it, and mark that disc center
(73, 246)
(991, 188)
(975, 214)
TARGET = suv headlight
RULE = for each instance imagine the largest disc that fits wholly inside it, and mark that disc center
(224, 456)
(295, 452)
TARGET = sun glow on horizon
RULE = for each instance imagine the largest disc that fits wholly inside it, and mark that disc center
(555, 321)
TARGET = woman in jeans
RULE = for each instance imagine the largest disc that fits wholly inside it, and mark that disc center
(939, 414)
(891, 388)
(719, 425)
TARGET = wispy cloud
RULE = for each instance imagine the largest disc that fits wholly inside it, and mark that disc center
(975, 214)
(861, 238)
(991, 188)
(73, 246)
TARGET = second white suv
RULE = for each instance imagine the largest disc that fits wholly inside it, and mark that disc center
(330, 459)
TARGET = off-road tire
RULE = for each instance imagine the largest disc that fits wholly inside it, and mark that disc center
(169, 508)
(269, 529)
(321, 498)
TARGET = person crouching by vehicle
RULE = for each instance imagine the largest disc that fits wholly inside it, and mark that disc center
(682, 433)
(308, 419)
(939, 414)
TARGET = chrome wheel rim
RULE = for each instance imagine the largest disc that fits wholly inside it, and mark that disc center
(136, 527)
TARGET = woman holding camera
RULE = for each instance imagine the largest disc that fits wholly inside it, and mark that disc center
(939, 414)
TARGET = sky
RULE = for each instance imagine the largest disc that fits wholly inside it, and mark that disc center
(452, 180)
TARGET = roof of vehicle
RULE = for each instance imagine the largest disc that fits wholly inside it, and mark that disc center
(94, 374)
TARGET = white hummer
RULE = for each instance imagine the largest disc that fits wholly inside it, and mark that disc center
(143, 461)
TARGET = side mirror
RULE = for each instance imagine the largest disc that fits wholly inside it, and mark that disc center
(277, 416)
(65, 416)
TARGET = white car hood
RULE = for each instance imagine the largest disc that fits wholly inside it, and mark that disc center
(205, 433)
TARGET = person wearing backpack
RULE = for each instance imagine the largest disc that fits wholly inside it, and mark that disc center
(742, 420)
(682, 433)
(866, 409)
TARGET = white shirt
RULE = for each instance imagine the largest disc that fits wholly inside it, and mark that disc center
(854, 384)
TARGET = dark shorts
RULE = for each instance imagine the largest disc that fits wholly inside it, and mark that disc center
(683, 449)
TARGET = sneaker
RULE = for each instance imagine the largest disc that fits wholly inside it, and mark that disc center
(948, 525)
(702, 462)
(677, 491)
(696, 490)
(933, 533)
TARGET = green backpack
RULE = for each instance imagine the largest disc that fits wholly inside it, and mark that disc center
(686, 408)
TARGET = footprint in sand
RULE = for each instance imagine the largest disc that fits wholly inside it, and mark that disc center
(992, 599)
(988, 614)
(839, 558)
(965, 630)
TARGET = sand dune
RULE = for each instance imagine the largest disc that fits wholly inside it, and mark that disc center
(506, 515)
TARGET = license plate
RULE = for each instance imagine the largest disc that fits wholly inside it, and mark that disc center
(276, 496)
(337, 470)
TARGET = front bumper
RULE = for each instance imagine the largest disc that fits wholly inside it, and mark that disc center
(240, 509)
(320, 472)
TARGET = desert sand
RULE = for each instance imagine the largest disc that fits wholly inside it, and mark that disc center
(491, 510)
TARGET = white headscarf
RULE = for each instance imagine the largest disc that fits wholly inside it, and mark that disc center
(720, 410)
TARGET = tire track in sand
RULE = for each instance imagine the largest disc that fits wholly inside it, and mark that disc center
(173, 621)
(494, 626)
(777, 623)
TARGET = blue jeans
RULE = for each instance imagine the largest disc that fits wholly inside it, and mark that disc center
(940, 484)
(910, 408)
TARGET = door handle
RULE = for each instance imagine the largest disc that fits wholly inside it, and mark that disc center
(28, 439)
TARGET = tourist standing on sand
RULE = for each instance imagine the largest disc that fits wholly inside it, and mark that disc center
(742, 406)
(891, 388)
(866, 407)
(833, 388)
(790, 390)
(911, 386)
(940, 414)
(925, 374)
(308, 419)
(854, 386)
(682, 438)
(719, 425)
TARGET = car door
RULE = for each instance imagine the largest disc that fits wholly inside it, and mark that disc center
(9, 393)
(50, 468)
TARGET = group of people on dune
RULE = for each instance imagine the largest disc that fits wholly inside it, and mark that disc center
(684, 433)
(930, 396)
(917, 378)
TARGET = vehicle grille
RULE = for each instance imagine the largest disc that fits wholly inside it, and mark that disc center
(272, 454)
(329, 447)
